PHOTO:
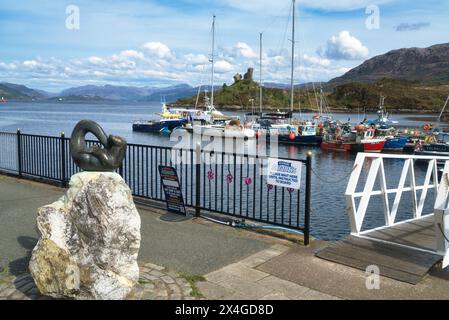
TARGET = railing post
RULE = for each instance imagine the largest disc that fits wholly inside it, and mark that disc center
(198, 180)
(308, 199)
(63, 161)
(19, 153)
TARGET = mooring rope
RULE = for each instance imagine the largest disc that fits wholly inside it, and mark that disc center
(335, 181)
(442, 232)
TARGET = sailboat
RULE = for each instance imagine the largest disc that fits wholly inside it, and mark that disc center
(229, 127)
(280, 124)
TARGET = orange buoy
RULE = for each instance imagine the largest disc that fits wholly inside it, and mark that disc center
(292, 136)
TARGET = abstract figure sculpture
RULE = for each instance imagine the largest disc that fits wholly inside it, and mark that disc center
(96, 158)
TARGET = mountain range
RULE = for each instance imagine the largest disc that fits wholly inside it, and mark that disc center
(426, 65)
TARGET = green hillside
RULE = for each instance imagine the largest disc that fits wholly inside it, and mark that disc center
(10, 94)
(401, 96)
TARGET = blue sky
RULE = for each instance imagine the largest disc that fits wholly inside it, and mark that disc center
(155, 42)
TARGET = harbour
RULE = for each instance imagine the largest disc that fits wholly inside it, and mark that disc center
(253, 151)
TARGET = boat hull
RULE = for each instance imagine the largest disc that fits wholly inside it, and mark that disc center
(156, 127)
(298, 140)
(353, 147)
(395, 144)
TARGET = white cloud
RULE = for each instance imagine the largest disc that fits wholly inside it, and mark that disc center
(223, 66)
(7, 66)
(196, 59)
(344, 46)
(242, 49)
(316, 60)
(131, 54)
(30, 63)
(158, 49)
(96, 60)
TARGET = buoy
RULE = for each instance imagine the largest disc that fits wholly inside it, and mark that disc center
(292, 136)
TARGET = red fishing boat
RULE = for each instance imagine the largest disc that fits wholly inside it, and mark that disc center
(359, 140)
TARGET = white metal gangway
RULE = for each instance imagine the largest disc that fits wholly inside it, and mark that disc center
(357, 201)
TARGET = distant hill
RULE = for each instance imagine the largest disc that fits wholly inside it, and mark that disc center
(20, 92)
(428, 65)
(124, 93)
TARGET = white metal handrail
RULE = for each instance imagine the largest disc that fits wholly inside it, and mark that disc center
(376, 171)
(442, 217)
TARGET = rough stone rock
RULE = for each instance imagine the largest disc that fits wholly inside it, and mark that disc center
(90, 239)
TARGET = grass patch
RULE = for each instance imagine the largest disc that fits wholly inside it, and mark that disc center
(143, 281)
(192, 280)
(4, 274)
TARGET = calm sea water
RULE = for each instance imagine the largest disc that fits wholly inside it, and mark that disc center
(331, 169)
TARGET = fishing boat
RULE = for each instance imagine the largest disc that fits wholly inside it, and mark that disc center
(278, 125)
(436, 143)
(358, 140)
(393, 141)
(170, 119)
(3, 100)
(384, 128)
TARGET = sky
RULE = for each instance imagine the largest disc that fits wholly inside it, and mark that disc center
(53, 45)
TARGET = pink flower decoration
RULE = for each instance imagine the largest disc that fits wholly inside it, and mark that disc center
(210, 175)
(229, 178)
(248, 181)
(290, 190)
(270, 187)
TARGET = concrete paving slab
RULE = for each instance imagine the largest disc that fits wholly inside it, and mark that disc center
(212, 291)
(289, 289)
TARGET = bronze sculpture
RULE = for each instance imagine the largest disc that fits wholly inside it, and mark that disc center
(96, 158)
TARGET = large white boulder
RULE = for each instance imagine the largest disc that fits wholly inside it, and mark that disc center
(90, 239)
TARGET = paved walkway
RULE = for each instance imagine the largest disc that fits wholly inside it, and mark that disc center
(241, 281)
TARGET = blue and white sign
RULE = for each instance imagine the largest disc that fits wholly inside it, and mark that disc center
(284, 173)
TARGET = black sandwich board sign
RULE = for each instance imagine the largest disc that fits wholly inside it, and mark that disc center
(172, 190)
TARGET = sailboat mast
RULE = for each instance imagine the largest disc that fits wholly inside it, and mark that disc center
(442, 111)
(213, 63)
(260, 70)
(293, 60)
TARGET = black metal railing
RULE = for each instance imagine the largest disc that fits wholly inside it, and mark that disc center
(227, 183)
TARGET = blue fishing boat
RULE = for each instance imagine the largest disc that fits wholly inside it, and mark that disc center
(395, 143)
